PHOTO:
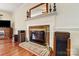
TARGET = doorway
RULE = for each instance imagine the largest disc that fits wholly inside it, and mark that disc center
(62, 44)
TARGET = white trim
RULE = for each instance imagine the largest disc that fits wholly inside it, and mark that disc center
(66, 29)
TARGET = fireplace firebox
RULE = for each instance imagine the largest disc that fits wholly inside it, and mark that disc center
(39, 34)
(38, 37)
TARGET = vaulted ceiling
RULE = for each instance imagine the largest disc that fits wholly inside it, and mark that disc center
(9, 7)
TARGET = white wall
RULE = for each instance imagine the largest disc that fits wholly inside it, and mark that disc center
(67, 19)
(20, 18)
(68, 15)
(6, 16)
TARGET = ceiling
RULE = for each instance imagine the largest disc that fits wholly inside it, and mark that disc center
(9, 7)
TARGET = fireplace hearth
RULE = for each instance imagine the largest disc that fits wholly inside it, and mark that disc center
(39, 34)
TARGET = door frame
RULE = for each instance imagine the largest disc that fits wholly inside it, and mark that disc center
(68, 44)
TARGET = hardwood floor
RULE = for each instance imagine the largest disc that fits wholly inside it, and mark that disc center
(9, 48)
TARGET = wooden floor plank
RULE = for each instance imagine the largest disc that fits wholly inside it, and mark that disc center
(9, 48)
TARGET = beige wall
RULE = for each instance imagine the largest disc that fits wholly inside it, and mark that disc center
(67, 19)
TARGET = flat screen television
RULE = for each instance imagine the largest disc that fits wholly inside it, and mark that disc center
(4, 23)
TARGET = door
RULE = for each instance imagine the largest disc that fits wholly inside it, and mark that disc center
(62, 44)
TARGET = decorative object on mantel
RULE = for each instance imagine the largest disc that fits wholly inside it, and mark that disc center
(50, 9)
(54, 7)
(28, 14)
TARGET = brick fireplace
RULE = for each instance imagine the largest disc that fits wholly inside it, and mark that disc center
(39, 34)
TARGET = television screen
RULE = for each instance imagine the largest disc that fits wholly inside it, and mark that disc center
(4, 23)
